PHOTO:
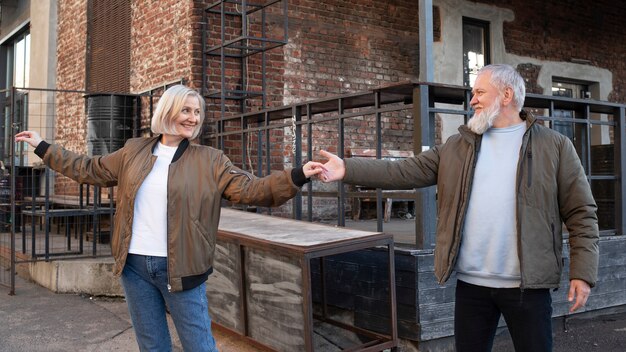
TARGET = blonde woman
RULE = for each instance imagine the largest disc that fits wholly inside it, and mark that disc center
(167, 214)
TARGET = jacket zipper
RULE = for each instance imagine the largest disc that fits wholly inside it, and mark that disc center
(469, 188)
(167, 232)
(554, 245)
(529, 155)
(529, 180)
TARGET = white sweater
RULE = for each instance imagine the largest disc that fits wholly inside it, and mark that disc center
(488, 254)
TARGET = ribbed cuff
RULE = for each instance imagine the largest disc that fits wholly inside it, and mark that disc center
(298, 178)
(42, 148)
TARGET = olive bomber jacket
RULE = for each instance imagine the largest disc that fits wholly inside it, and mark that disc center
(199, 177)
(551, 189)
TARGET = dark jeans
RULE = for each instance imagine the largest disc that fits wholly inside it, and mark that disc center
(528, 315)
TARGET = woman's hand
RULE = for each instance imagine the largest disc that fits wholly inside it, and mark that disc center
(30, 137)
(312, 168)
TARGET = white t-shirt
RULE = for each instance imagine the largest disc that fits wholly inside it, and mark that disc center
(150, 219)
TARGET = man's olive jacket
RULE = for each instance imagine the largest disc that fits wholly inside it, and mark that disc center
(199, 177)
(551, 189)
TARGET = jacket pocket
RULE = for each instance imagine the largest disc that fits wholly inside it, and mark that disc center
(202, 230)
(203, 251)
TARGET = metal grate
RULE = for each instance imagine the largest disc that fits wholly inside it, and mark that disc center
(108, 53)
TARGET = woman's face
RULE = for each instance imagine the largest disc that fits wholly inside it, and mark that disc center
(186, 121)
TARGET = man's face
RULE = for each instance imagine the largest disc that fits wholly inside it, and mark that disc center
(486, 102)
(484, 94)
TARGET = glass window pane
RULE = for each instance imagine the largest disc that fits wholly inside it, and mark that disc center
(18, 77)
(475, 50)
(604, 194)
(602, 151)
(27, 61)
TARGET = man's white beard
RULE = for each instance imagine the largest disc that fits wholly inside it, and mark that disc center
(480, 122)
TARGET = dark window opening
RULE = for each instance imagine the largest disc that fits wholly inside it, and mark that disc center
(475, 48)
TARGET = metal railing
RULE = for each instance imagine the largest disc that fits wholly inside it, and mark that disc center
(413, 116)
(44, 215)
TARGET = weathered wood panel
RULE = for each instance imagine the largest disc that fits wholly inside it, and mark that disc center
(223, 287)
(275, 303)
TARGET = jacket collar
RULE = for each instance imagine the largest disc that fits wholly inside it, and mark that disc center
(184, 144)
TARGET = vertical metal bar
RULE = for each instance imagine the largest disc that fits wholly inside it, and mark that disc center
(137, 119)
(110, 141)
(46, 217)
(244, 145)
(268, 149)
(426, 64)
(341, 213)
(466, 106)
(323, 287)
(392, 293)
(263, 61)
(220, 123)
(423, 139)
(242, 288)
(620, 159)
(259, 147)
(204, 28)
(243, 57)
(12, 187)
(310, 155)
(244, 22)
(286, 21)
(32, 223)
(307, 304)
(96, 193)
(68, 234)
(111, 213)
(587, 145)
(297, 139)
(379, 151)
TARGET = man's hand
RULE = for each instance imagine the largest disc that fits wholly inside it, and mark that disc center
(334, 168)
(578, 289)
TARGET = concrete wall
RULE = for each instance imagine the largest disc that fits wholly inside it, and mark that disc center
(15, 14)
(90, 276)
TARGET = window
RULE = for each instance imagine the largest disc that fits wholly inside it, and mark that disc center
(15, 56)
(593, 137)
(14, 72)
(576, 132)
(475, 48)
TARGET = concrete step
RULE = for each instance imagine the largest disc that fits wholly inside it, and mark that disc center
(93, 276)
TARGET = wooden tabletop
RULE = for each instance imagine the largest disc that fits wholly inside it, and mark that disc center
(287, 231)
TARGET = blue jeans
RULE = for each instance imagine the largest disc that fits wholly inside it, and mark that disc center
(528, 316)
(144, 279)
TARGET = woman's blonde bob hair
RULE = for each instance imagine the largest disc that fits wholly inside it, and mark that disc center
(170, 104)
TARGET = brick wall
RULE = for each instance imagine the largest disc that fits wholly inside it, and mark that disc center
(71, 122)
(339, 47)
(562, 30)
(165, 43)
